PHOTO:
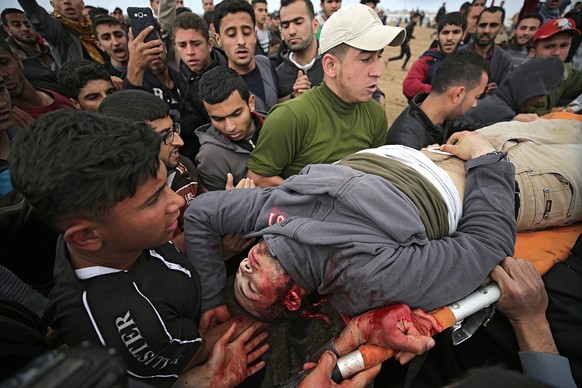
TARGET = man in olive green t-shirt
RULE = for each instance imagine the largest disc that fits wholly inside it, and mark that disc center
(337, 118)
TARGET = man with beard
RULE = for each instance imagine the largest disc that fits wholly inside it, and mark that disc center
(518, 46)
(489, 24)
(148, 70)
(301, 66)
(23, 38)
(234, 21)
(449, 34)
(428, 119)
(112, 39)
(39, 65)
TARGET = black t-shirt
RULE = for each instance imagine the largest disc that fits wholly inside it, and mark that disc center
(254, 82)
(149, 313)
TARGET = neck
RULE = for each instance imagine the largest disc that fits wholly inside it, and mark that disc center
(306, 56)
(206, 66)
(117, 63)
(335, 88)
(482, 50)
(242, 70)
(32, 47)
(432, 106)
(82, 259)
(4, 145)
(253, 127)
(521, 46)
(32, 98)
(165, 79)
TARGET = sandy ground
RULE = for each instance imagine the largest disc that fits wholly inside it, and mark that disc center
(284, 355)
(391, 81)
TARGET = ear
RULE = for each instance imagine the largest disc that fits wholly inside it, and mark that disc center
(6, 30)
(75, 103)
(83, 236)
(218, 40)
(329, 63)
(252, 102)
(457, 94)
(292, 300)
(315, 25)
(531, 53)
(210, 45)
(98, 44)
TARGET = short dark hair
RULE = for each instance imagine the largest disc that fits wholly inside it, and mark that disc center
(208, 17)
(191, 21)
(231, 6)
(182, 10)
(493, 9)
(134, 105)
(338, 51)
(308, 3)
(369, 1)
(465, 7)
(9, 11)
(258, 1)
(217, 84)
(463, 67)
(74, 163)
(454, 18)
(95, 12)
(104, 19)
(531, 15)
(75, 74)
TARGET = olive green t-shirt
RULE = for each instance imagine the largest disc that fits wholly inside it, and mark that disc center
(316, 127)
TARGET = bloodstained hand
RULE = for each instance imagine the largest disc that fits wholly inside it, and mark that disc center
(229, 363)
(396, 327)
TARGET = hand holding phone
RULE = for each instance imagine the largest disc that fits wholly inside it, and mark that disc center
(139, 19)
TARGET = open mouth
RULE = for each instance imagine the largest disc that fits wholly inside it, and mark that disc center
(5, 115)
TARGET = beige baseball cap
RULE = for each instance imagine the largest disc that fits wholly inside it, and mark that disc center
(359, 26)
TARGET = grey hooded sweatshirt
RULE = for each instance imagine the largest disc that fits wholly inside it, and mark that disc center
(357, 239)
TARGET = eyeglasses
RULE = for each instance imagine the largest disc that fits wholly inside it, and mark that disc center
(169, 137)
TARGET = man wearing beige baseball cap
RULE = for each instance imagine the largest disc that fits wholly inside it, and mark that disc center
(337, 118)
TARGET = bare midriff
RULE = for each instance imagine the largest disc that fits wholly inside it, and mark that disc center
(453, 166)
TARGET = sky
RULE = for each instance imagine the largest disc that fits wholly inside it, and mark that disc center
(511, 6)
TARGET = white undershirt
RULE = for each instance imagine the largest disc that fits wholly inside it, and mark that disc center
(435, 174)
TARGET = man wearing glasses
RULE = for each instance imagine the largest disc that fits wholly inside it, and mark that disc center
(138, 105)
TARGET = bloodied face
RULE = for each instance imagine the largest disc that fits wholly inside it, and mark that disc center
(261, 281)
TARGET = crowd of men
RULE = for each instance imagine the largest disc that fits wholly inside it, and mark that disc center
(262, 139)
